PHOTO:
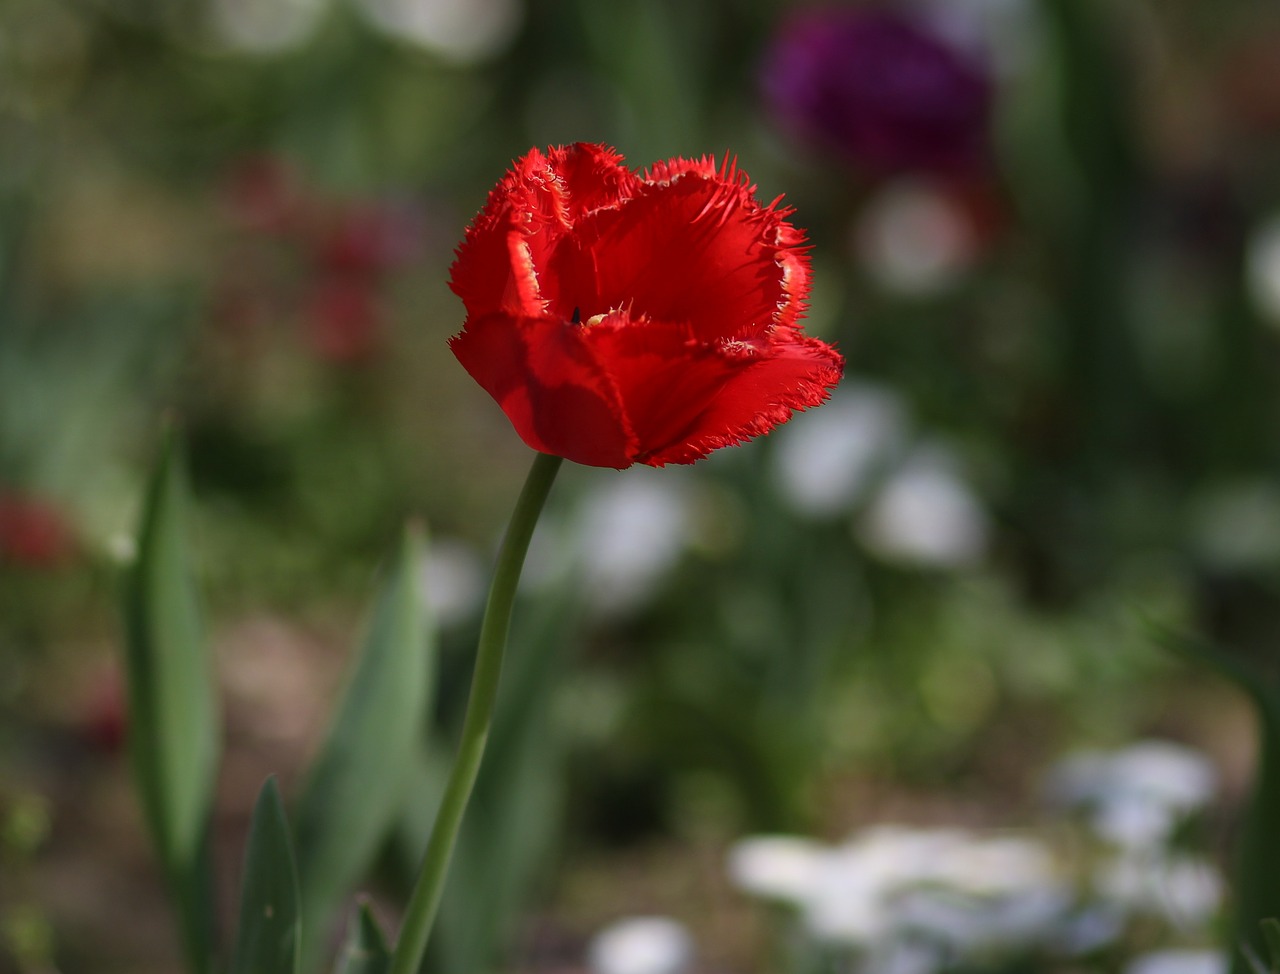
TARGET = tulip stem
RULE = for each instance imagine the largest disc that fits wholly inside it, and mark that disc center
(425, 901)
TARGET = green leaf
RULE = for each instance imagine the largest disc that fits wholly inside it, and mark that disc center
(174, 728)
(1203, 652)
(365, 949)
(270, 929)
(1271, 935)
(1256, 879)
(358, 782)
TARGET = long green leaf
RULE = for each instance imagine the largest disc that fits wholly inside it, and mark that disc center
(365, 950)
(1256, 881)
(358, 781)
(1271, 935)
(270, 931)
(1204, 652)
(174, 728)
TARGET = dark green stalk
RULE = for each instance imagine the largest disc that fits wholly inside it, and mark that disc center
(425, 901)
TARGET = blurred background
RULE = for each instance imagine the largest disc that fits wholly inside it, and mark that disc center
(1046, 236)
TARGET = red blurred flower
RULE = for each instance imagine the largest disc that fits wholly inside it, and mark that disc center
(343, 320)
(367, 238)
(105, 721)
(622, 318)
(33, 533)
(261, 193)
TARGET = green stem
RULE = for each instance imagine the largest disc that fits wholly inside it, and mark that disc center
(425, 901)
(1257, 886)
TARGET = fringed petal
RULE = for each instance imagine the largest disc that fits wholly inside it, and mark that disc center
(684, 398)
(700, 250)
(545, 379)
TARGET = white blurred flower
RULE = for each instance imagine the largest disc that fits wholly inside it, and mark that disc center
(1134, 821)
(1179, 962)
(1136, 796)
(997, 865)
(1004, 33)
(265, 26)
(1184, 890)
(464, 31)
(906, 958)
(1090, 929)
(970, 924)
(1263, 269)
(776, 867)
(1179, 776)
(824, 459)
(977, 893)
(915, 238)
(630, 531)
(890, 884)
(1237, 525)
(898, 855)
(850, 900)
(925, 514)
(453, 580)
(641, 945)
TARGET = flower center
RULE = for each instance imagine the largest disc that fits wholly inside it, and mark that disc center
(593, 320)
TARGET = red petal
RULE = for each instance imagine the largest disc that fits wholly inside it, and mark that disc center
(549, 385)
(670, 169)
(527, 216)
(685, 398)
(594, 176)
(698, 249)
(759, 395)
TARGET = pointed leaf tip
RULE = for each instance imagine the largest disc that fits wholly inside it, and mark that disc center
(365, 950)
(270, 930)
(358, 782)
(1271, 935)
(174, 737)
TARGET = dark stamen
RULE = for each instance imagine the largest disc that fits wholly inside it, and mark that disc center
(577, 316)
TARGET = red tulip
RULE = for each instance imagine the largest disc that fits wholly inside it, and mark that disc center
(33, 533)
(342, 319)
(622, 318)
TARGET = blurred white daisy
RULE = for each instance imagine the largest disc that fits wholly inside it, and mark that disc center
(464, 31)
(641, 945)
(1179, 962)
(776, 867)
(914, 238)
(1237, 525)
(891, 885)
(826, 459)
(265, 26)
(926, 514)
(630, 531)
(453, 580)
(1184, 890)
(1263, 268)
(1136, 796)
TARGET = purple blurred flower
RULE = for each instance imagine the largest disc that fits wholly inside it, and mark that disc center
(879, 87)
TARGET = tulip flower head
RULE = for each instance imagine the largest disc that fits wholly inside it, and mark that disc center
(621, 317)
